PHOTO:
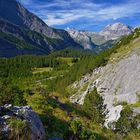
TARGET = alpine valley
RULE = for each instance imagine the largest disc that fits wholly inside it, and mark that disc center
(67, 84)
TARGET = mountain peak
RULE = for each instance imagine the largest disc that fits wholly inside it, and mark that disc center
(114, 31)
(117, 26)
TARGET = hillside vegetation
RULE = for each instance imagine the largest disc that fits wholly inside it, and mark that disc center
(42, 82)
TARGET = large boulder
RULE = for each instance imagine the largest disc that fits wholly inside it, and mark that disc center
(22, 113)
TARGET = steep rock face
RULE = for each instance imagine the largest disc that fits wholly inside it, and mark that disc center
(118, 82)
(114, 31)
(24, 113)
(14, 12)
(82, 38)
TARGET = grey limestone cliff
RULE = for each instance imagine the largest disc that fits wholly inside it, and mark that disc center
(117, 82)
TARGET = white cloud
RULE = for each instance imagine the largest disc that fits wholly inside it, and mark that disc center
(119, 11)
(59, 12)
(26, 2)
(65, 18)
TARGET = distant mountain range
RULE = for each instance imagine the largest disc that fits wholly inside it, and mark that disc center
(101, 40)
(22, 32)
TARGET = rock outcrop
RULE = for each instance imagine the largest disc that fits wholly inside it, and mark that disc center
(117, 82)
(22, 113)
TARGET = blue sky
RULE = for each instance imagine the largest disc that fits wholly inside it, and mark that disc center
(92, 15)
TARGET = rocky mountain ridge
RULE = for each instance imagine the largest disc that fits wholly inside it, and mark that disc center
(100, 40)
(17, 14)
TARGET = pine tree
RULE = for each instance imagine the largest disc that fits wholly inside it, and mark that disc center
(94, 107)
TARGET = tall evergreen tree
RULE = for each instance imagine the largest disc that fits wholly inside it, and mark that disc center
(94, 107)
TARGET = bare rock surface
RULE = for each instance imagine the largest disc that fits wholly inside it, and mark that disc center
(116, 82)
